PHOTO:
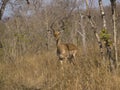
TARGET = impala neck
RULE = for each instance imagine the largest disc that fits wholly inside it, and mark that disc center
(58, 41)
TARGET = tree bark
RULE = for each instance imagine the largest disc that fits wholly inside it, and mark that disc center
(107, 48)
(2, 9)
(83, 34)
(102, 14)
(113, 9)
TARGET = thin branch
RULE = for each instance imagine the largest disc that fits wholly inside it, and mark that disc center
(28, 2)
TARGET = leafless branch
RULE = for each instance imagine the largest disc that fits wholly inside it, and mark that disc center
(61, 21)
(28, 2)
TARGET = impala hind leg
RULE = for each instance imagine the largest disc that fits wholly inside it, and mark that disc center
(72, 59)
(60, 63)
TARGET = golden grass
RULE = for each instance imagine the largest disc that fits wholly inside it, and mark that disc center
(43, 72)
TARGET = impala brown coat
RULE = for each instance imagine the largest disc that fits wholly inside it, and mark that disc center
(65, 50)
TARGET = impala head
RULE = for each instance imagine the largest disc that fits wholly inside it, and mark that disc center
(57, 34)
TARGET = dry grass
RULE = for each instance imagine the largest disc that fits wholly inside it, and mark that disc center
(43, 72)
(25, 63)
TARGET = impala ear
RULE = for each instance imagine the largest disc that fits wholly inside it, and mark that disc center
(59, 32)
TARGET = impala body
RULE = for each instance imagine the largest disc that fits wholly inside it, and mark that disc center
(65, 51)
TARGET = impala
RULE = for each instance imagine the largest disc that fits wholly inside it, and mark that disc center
(65, 51)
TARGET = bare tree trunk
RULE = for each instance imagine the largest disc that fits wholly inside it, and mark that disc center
(107, 48)
(93, 24)
(48, 39)
(48, 31)
(2, 31)
(104, 22)
(2, 9)
(102, 14)
(83, 34)
(113, 8)
(76, 33)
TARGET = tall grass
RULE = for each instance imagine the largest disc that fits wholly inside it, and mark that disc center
(43, 72)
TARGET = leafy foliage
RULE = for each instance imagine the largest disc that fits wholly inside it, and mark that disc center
(106, 37)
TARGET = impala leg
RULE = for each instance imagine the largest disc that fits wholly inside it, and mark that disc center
(73, 59)
(61, 63)
(70, 58)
